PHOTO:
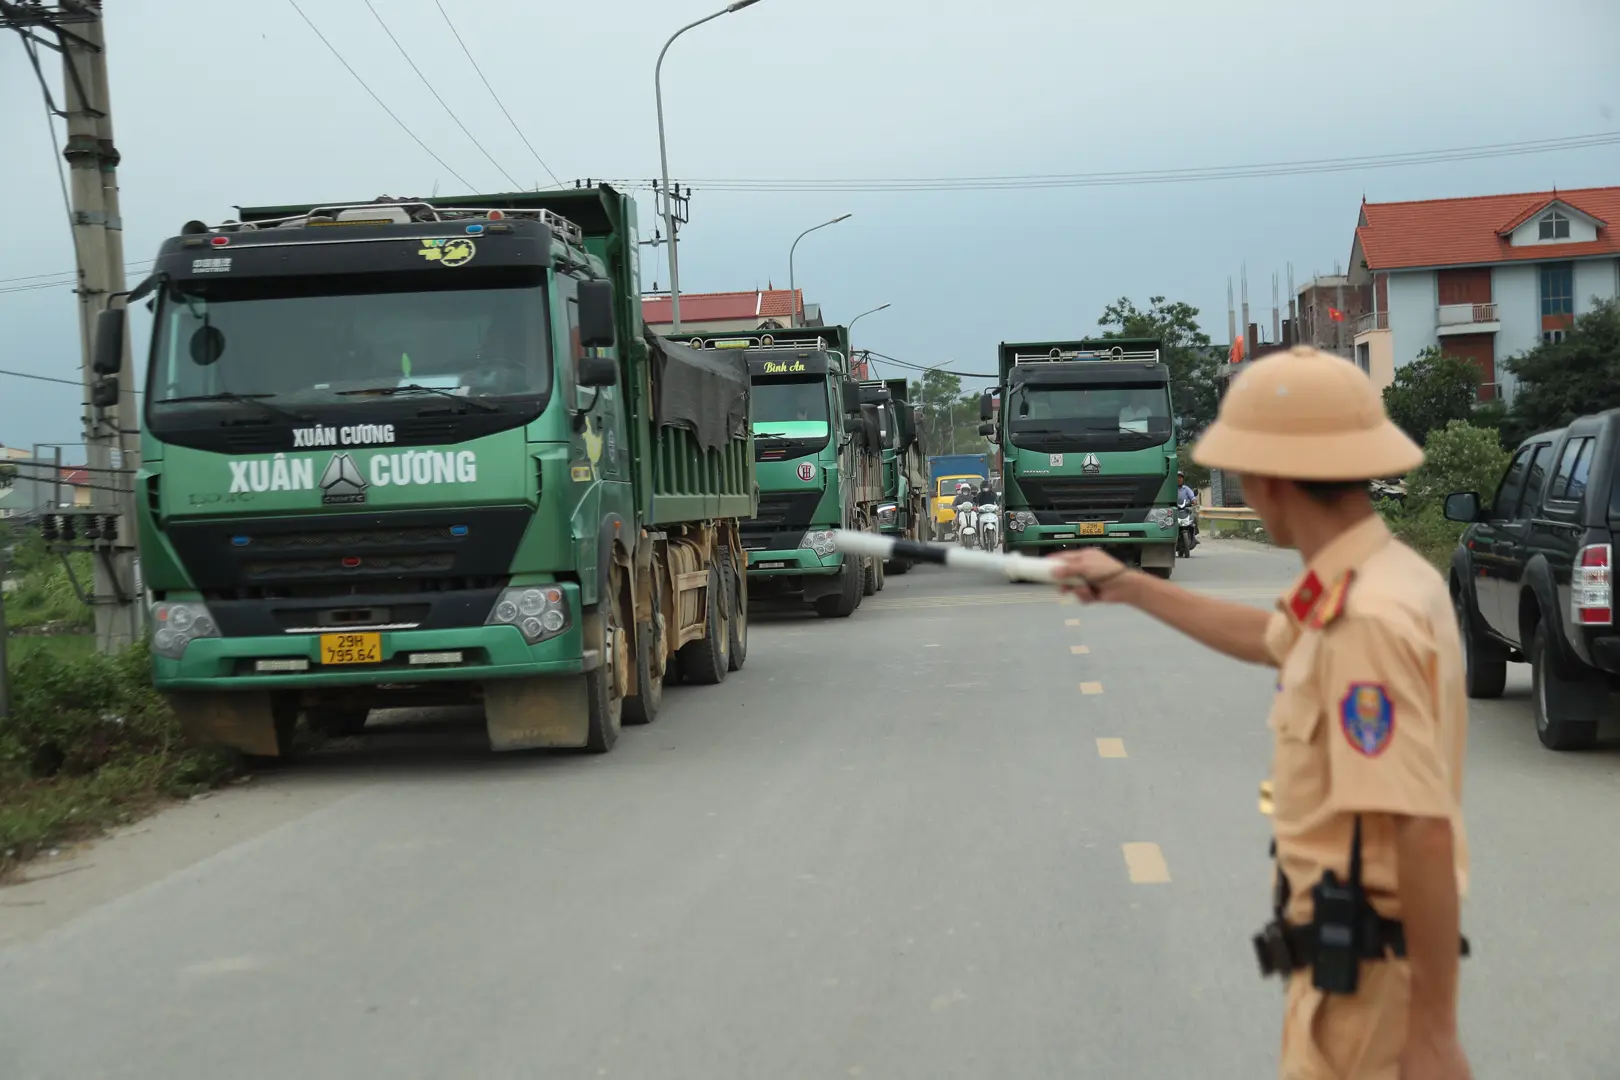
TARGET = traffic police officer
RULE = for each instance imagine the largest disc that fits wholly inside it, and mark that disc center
(1368, 724)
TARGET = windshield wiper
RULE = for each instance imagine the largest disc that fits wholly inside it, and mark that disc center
(769, 435)
(242, 399)
(418, 388)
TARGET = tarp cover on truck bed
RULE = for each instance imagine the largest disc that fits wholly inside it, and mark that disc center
(704, 391)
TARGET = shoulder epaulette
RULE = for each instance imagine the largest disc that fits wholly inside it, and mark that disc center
(1332, 605)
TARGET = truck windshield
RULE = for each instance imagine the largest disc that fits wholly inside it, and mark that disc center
(782, 401)
(327, 339)
(1107, 417)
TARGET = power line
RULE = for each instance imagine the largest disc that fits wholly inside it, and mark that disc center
(494, 95)
(437, 96)
(137, 265)
(919, 367)
(1202, 174)
(377, 99)
(50, 379)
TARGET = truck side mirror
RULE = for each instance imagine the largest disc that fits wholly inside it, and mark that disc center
(1462, 506)
(871, 429)
(596, 325)
(104, 392)
(108, 357)
(988, 429)
(851, 391)
(985, 412)
(906, 425)
(594, 370)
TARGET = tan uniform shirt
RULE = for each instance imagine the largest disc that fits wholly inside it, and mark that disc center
(1370, 716)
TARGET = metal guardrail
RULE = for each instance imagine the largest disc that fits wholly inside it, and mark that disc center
(1227, 513)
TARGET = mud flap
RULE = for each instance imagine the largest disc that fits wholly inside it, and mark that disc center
(1160, 555)
(244, 722)
(534, 714)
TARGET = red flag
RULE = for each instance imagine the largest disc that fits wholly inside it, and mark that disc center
(1335, 314)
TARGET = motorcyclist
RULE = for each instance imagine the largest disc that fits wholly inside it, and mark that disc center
(965, 500)
(1187, 497)
(987, 494)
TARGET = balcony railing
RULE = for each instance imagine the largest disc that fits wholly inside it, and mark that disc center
(1465, 314)
(1373, 320)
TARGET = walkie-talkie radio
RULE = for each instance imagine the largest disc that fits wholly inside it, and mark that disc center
(1338, 917)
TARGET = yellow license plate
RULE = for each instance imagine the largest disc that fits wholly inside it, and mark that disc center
(351, 648)
(1091, 528)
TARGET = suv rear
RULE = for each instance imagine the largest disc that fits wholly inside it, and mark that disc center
(1531, 577)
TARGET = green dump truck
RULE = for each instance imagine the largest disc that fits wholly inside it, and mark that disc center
(1088, 448)
(903, 512)
(818, 449)
(423, 451)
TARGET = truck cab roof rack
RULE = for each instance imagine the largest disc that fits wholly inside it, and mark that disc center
(1112, 355)
(405, 212)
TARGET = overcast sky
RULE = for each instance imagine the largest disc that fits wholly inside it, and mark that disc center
(224, 102)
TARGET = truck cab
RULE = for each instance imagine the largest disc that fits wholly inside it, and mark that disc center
(1088, 445)
(818, 455)
(903, 510)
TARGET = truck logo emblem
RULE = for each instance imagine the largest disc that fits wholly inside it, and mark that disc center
(1056, 460)
(456, 252)
(807, 472)
(1091, 465)
(341, 483)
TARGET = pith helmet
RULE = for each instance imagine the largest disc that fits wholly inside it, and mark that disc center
(1306, 415)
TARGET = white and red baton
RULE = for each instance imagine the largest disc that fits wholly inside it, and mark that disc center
(1011, 567)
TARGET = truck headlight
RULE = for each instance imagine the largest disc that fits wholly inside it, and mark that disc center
(886, 514)
(1019, 520)
(178, 625)
(538, 611)
(819, 541)
(1162, 516)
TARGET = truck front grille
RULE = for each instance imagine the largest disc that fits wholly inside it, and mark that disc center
(1091, 498)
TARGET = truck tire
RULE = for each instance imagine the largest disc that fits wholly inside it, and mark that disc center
(644, 705)
(739, 615)
(707, 660)
(284, 714)
(1483, 677)
(842, 604)
(897, 567)
(873, 582)
(1163, 572)
(1566, 709)
(604, 707)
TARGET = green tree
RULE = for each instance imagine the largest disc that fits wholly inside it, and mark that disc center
(1457, 457)
(1431, 392)
(1187, 350)
(1574, 377)
(949, 418)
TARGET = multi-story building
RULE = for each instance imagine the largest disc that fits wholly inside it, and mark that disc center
(1327, 308)
(1486, 278)
(769, 309)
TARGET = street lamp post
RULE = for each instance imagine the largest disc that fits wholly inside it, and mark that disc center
(663, 157)
(793, 292)
(863, 315)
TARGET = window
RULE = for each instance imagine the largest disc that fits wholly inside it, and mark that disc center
(1557, 289)
(1552, 337)
(1537, 480)
(1512, 486)
(1569, 482)
(1554, 226)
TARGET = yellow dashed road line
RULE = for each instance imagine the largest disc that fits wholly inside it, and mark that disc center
(1079, 650)
(1111, 748)
(1091, 688)
(1071, 622)
(1146, 864)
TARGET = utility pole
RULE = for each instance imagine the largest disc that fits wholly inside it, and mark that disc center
(111, 450)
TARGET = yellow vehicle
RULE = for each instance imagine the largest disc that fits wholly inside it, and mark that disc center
(945, 495)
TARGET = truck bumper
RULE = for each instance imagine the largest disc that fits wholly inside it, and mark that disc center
(219, 665)
(797, 562)
(1052, 537)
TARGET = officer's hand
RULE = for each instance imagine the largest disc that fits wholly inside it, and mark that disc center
(1092, 575)
(1434, 1057)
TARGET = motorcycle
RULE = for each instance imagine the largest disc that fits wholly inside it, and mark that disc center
(1186, 531)
(989, 517)
(967, 533)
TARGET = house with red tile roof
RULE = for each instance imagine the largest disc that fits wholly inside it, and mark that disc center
(1485, 277)
(761, 309)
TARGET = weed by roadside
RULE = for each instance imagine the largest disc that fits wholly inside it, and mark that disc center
(88, 744)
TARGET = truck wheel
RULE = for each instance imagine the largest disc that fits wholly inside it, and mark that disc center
(872, 583)
(707, 660)
(284, 715)
(897, 567)
(1160, 571)
(1483, 677)
(739, 615)
(1566, 709)
(336, 723)
(604, 702)
(842, 604)
(642, 707)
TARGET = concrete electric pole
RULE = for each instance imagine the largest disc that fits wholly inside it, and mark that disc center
(74, 28)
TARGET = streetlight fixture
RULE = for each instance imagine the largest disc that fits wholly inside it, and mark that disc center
(864, 314)
(793, 292)
(663, 156)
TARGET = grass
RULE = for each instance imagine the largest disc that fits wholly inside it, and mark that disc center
(89, 744)
(66, 646)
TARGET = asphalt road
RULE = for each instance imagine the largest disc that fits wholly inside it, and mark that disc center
(969, 832)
